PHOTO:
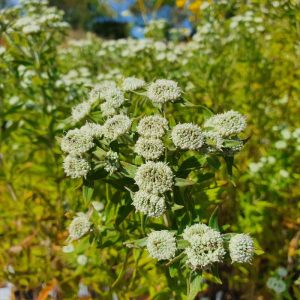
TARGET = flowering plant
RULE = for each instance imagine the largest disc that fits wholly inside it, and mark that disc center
(154, 169)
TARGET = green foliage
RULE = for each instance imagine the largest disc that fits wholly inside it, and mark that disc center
(243, 57)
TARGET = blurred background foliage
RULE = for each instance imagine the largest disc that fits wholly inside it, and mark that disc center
(241, 55)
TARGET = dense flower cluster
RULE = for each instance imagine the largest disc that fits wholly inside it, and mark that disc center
(132, 84)
(76, 167)
(162, 91)
(161, 244)
(227, 124)
(154, 177)
(152, 126)
(241, 248)
(152, 205)
(96, 146)
(187, 136)
(206, 246)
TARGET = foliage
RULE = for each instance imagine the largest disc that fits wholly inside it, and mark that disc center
(243, 57)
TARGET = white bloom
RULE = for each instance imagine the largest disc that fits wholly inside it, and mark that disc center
(149, 148)
(79, 226)
(151, 205)
(154, 177)
(111, 162)
(163, 90)
(241, 248)
(98, 91)
(196, 229)
(187, 136)
(76, 167)
(284, 173)
(281, 271)
(255, 167)
(286, 134)
(132, 84)
(280, 145)
(107, 109)
(82, 260)
(92, 129)
(31, 28)
(205, 249)
(161, 244)
(68, 248)
(114, 97)
(80, 111)
(116, 126)
(76, 142)
(226, 124)
(152, 126)
(276, 284)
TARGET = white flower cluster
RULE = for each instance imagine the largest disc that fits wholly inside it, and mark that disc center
(132, 84)
(206, 246)
(241, 248)
(79, 226)
(39, 18)
(77, 142)
(76, 167)
(99, 90)
(227, 124)
(187, 136)
(161, 244)
(154, 177)
(276, 284)
(116, 126)
(162, 91)
(151, 205)
(153, 126)
(80, 111)
(149, 148)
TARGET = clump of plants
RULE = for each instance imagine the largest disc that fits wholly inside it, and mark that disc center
(128, 137)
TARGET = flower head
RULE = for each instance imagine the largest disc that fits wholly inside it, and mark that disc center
(152, 126)
(98, 91)
(76, 142)
(76, 167)
(151, 205)
(205, 249)
(276, 284)
(80, 111)
(116, 126)
(163, 90)
(149, 148)
(79, 226)
(196, 229)
(241, 248)
(132, 84)
(227, 124)
(114, 97)
(187, 136)
(93, 129)
(154, 177)
(161, 244)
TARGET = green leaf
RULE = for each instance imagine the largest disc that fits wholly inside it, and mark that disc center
(183, 182)
(229, 164)
(213, 220)
(195, 287)
(87, 192)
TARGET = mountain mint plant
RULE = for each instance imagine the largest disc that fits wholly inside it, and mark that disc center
(128, 138)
